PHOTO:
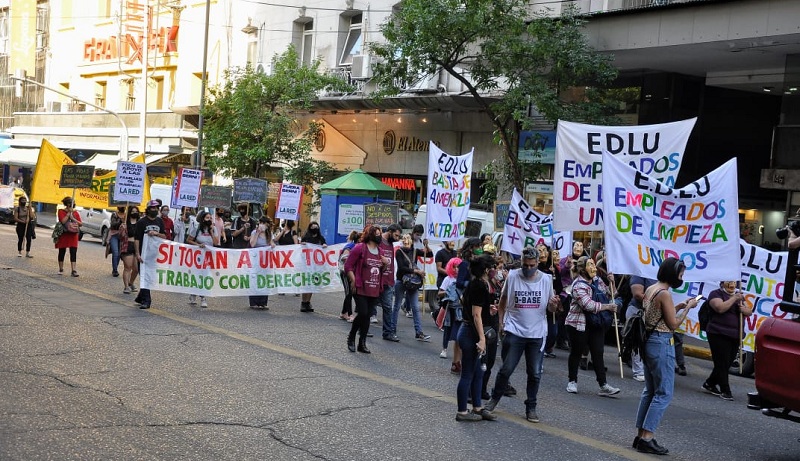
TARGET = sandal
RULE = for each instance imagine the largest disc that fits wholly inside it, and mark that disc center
(74, 273)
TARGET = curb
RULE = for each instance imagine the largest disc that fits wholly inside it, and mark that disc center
(697, 352)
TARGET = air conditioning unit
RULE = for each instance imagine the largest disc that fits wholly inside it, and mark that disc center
(262, 68)
(362, 67)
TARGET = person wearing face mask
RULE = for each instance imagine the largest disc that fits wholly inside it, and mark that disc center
(153, 226)
(724, 334)
(242, 227)
(386, 299)
(205, 236)
(406, 260)
(114, 223)
(169, 225)
(127, 248)
(526, 298)
(68, 240)
(364, 267)
(441, 258)
(186, 224)
(584, 285)
(661, 317)
(25, 218)
(259, 238)
(223, 228)
(313, 236)
(546, 266)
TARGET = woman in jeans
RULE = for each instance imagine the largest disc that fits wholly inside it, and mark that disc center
(478, 309)
(724, 334)
(405, 258)
(660, 317)
(364, 266)
(347, 304)
(115, 222)
(452, 320)
(205, 236)
(580, 335)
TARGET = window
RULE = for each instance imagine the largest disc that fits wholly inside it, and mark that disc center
(42, 19)
(306, 45)
(354, 41)
(155, 94)
(4, 31)
(100, 94)
(130, 94)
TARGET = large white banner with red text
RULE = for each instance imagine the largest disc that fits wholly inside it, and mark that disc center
(181, 268)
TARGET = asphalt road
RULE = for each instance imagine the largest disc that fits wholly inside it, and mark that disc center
(86, 375)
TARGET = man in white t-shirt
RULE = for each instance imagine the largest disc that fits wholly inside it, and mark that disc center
(527, 296)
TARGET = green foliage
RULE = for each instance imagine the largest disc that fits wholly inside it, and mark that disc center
(249, 127)
(506, 58)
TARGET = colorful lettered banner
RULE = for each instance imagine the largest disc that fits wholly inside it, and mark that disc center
(449, 178)
(655, 150)
(761, 282)
(525, 227)
(181, 268)
(647, 221)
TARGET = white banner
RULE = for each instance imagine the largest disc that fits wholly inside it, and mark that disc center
(761, 282)
(525, 227)
(655, 150)
(129, 184)
(187, 188)
(449, 179)
(217, 272)
(562, 241)
(6, 197)
(648, 221)
(289, 199)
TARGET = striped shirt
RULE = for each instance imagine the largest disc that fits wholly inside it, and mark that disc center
(582, 301)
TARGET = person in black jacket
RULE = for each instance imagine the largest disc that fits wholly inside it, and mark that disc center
(315, 237)
(406, 260)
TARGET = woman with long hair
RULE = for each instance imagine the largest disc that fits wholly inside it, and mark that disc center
(661, 317)
(314, 236)
(406, 258)
(261, 237)
(347, 304)
(25, 218)
(127, 248)
(455, 311)
(206, 235)
(70, 219)
(364, 266)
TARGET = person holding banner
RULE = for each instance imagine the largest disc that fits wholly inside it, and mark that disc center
(169, 225)
(241, 227)
(153, 226)
(259, 238)
(205, 236)
(127, 249)
(661, 319)
(185, 225)
(364, 267)
(25, 217)
(71, 220)
(347, 304)
(585, 286)
(724, 334)
(314, 237)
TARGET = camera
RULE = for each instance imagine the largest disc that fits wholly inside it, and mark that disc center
(783, 232)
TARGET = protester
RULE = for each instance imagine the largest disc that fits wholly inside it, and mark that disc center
(288, 236)
(242, 226)
(495, 288)
(314, 237)
(127, 249)
(585, 284)
(472, 339)
(116, 220)
(25, 218)
(724, 335)
(364, 269)
(185, 225)
(222, 227)
(546, 266)
(386, 300)
(406, 260)
(455, 311)
(71, 220)
(207, 235)
(526, 298)
(638, 287)
(169, 225)
(660, 315)
(261, 237)
(441, 258)
(347, 304)
(153, 226)
(471, 248)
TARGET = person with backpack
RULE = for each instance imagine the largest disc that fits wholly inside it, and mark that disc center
(660, 319)
(724, 334)
(638, 286)
(406, 260)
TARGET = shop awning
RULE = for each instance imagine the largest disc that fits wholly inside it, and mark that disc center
(19, 156)
(109, 161)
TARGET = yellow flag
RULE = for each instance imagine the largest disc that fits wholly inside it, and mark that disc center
(44, 187)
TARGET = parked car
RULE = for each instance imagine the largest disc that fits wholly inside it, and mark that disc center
(7, 212)
(96, 222)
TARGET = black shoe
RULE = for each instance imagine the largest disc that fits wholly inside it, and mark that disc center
(651, 447)
(711, 389)
(145, 306)
(680, 370)
(392, 338)
(115, 274)
(726, 396)
(362, 346)
(510, 391)
(635, 441)
(351, 344)
(550, 355)
(486, 396)
(370, 335)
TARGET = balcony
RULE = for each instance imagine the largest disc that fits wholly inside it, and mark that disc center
(613, 6)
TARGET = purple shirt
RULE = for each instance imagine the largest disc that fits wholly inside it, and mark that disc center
(726, 323)
(366, 269)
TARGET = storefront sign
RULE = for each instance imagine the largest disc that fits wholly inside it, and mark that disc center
(400, 183)
(392, 142)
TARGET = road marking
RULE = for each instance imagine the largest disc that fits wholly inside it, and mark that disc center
(617, 450)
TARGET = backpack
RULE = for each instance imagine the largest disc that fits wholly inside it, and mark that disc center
(704, 316)
(635, 333)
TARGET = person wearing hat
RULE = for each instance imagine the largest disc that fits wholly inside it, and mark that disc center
(152, 225)
(25, 217)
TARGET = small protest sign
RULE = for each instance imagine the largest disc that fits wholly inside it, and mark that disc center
(129, 182)
(381, 214)
(289, 199)
(187, 190)
(251, 190)
(215, 196)
(76, 176)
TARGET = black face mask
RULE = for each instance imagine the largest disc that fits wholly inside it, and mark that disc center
(135, 215)
(152, 213)
(377, 238)
(314, 230)
(391, 238)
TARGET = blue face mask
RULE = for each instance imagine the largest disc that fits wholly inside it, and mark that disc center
(529, 272)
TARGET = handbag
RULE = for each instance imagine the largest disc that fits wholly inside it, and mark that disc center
(490, 334)
(411, 282)
(71, 226)
(440, 316)
(58, 230)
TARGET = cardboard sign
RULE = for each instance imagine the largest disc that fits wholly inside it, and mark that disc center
(351, 218)
(250, 190)
(187, 190)
(381, 214)
(215, 196)
(500, 215)
(76, 176)
(289, 200)
(129, 183)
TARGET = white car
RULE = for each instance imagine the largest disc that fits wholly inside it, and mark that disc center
(96, 222)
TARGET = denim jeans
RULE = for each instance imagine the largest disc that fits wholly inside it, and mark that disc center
(387, 303)
(411, 298)
(114, 242)
(659, 380)
(471, 373)
(513, 348)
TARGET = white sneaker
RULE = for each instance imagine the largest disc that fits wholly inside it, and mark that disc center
(443, 354)
(126, 290)
(373, 319)
(572, 387)
(192, 299)
(606, 390)
(409, 315)
(639, 378)
(203, 303)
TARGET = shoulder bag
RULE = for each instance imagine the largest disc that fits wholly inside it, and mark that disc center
(71, 226)
(411, 281)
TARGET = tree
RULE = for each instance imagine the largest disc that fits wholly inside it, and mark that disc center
(249, 127)
(507, 58)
